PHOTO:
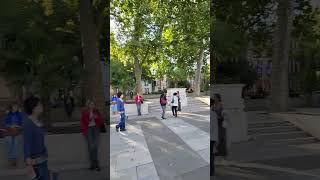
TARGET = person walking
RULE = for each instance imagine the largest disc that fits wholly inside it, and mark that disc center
(223, 120)
(121, 111)
(213, 137)
(174, 104)
(13, 127)
(139, 102)
(114, 104)
(35, 151)
(91, 123)
(69, 104)
(163, 103)
(179, 101)
(131, 94)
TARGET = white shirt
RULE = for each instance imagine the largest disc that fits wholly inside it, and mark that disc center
(92, 119)
(175, 101)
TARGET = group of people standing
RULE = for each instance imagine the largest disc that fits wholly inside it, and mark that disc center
(175, 103)
(27, 127)
(218, 131)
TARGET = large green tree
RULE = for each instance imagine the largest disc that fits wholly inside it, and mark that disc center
(158, 34)
(39, 47)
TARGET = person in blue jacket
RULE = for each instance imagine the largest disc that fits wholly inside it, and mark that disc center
(121, 111)
(35, 151)
(13, 124)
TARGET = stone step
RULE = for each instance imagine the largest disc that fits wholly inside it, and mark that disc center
(281, 135)
(268, 124)
(294, 141)
(276, 129)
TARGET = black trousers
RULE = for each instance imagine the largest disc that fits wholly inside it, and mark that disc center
(174, 111)
(212, 169)
(222, 145)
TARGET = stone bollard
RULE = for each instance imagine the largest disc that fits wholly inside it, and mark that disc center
(234, 106)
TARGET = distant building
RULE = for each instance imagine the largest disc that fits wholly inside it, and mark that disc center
(146, 86)
(160, 84)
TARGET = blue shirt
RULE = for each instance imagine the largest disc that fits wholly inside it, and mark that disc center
(120, 105)
(13, 118)
(33, 139)
(114, 99)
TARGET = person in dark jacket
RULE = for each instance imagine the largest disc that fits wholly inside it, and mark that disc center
(91, 123)
(35, 151)
(163, 103)
(69, 104)
(223, 121)
(13, 126)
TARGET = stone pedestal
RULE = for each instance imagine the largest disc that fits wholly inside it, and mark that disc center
(234, 106)
(182, 92)
(131, 109)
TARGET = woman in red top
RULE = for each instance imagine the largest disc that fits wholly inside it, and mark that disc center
(91, 123)
(139, 101)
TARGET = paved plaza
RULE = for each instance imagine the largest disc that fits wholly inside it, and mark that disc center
(156, 149)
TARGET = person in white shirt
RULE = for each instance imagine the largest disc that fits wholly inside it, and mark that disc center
(174, 104)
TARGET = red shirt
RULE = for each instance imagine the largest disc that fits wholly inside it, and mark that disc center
(138, 99)
(85, 120)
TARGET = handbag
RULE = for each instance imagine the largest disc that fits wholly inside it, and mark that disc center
(103, 128)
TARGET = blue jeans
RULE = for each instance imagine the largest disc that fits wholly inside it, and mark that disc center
(42, 171)
(163, 110)
(139, 108)
(12, 143)
(93, 145)
(122, 123)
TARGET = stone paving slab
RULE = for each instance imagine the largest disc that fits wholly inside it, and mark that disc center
(171, 156)
(129, 155)
(194, 137)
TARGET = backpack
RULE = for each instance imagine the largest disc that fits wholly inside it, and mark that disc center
(163, 101)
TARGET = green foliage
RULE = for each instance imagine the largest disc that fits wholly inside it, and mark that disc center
(177, 76)
(236, 72)
(120, 77)
(310, 82)
(40, 42)
(161, 34)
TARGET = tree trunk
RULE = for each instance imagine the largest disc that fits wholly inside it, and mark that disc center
(197, 80)
(279, 92)
(93, 82)
(137, 73)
